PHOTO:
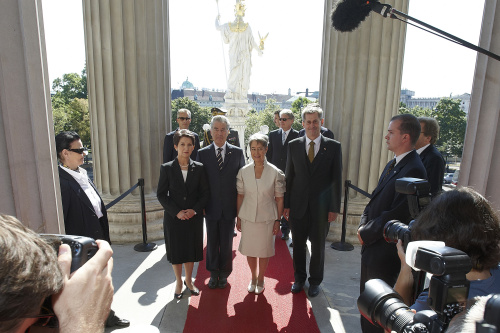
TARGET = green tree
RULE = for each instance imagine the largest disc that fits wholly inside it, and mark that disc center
(70, 86)
(254, 120)
(70, 109)
(199, 115)
(297, 107)
(452, 122)
(417, 111)
(73, 116)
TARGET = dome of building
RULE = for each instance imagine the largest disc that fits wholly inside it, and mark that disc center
(187, 85)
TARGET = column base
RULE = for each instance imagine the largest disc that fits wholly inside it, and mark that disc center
(125, 221)
(355, 209)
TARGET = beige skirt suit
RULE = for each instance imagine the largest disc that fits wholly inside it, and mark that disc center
(258, 210)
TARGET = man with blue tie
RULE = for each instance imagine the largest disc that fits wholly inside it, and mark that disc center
(221, 161)
(277, 151)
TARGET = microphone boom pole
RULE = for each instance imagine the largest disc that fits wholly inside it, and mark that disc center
(387, 11)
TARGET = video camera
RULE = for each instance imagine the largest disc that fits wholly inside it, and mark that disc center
(448, 292)
(82, 248)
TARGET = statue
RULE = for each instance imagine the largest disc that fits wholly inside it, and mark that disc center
(238, 35)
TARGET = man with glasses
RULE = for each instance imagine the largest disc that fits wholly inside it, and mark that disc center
(277, 152)
(184, 120)
(31, 271)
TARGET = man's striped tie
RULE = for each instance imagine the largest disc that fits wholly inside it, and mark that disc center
(219, 158)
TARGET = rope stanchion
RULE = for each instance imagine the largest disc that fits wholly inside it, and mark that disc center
(342, 245)
(144, 246)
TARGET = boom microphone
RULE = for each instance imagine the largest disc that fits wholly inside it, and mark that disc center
(347, 15)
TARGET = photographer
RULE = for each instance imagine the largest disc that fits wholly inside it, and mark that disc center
(464, 220)
(31, 271)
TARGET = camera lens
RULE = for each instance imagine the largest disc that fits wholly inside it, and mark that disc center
(394, 230)
(381, 305)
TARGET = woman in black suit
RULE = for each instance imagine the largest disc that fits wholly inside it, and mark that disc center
(83, 209)
(183, 192)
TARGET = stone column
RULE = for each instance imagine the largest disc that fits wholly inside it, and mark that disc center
(29, 181)
(129, 104)
(359, 91)
(481, 160)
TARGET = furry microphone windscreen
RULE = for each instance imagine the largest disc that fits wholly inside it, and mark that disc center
(348, 14)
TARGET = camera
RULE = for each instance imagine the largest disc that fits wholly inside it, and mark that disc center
(82, 248)
(395, 230)
(418, 192)
(448, 292)
(491, 320)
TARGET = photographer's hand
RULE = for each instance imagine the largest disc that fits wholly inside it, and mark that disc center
(404, 283)
(84, 303)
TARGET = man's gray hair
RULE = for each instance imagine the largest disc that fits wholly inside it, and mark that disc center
(312, 108)
(184, 111)
(220, 119)
(287, 112)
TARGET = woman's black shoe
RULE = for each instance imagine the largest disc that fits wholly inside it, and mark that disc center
(178, 296)
(194, 291)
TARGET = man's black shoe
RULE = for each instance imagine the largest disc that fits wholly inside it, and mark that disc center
(114, 320)
(212, 283)
(291, 244)
(222, 283)
(313, 290)
(297, 287)
(285, 237)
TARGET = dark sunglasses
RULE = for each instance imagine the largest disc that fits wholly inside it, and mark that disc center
(183, 118)
(47, 317)
(284, 119)
(77, 150)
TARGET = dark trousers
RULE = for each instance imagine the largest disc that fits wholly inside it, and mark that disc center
(285, 229)
(378, 262)
(220, 235)
(315, 229)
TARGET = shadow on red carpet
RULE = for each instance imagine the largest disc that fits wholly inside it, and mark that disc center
(234, 309)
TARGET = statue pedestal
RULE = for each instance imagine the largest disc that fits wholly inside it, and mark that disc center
(236, 112)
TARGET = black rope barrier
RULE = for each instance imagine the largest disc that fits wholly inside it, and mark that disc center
(144, 246)
(343, 245)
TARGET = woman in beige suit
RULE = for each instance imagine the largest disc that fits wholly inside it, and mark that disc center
(261, 187)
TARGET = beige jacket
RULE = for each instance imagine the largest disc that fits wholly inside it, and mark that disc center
(259, 203)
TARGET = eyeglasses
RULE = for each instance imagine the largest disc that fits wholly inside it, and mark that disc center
(183, 118)
(284, 119)
(78, 150)
(46, 318)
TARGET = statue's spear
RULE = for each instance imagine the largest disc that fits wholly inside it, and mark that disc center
(221, 41)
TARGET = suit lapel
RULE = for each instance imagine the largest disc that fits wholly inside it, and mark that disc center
(78, 189)
(227, 157)
(394, 172)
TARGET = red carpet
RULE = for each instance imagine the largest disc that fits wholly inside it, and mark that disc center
(234, 309)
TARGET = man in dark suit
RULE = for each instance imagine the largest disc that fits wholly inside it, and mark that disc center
(277, 151)
(312, 198)
(379, 259)
(221, 161)
(169, 152)
(431, 158)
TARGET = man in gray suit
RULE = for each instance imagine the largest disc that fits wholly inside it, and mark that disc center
(221, 161)
(312, 198)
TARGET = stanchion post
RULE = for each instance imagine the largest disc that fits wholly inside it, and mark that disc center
(342, 245)
(144, 246)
